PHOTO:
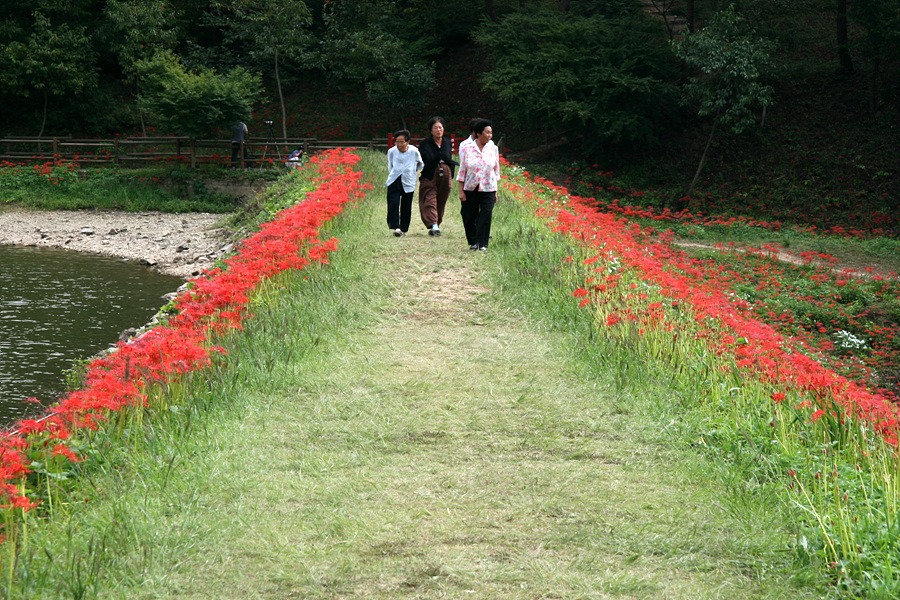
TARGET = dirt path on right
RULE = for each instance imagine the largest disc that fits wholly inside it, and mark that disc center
(787, 257)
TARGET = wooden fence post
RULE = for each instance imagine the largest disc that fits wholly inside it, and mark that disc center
(116, 151)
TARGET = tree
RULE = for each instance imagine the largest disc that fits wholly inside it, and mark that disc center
(195, 103)
(601, 78)
(843, 44)
(360, 48)
(141, 29)
(272, 29)
(490, 10)
(880, 20)
(51, 61)
(731, 61)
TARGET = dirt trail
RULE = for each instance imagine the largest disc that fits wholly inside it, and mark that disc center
(787, 257)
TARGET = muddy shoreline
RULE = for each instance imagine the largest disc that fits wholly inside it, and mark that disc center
(183, 245)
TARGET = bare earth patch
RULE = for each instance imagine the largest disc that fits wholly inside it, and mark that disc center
(443, 294)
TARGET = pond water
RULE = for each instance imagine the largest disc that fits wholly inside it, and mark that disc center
(57, 306)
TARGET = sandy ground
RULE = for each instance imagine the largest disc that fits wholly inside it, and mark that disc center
(183, 245)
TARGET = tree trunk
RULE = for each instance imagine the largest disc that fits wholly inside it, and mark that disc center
(842, 42)
(280, 97)
(564, 6)
(712, 132)
(362, 121)
(137, 93)
(489, 9)
(44, 119)
(874, 92)
(689, 15)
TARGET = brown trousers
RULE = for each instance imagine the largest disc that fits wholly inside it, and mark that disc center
(433, 196)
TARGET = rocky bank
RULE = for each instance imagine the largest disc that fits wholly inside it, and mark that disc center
(183, 245)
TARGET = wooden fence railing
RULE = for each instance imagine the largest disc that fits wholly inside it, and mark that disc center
(137, 151)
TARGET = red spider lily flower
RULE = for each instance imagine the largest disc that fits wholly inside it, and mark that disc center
(701, 293)
(217, 302)
(63, 450)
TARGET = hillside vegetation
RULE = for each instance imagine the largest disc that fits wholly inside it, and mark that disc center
(594, 89)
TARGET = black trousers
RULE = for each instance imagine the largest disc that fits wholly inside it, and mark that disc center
(236, 153)
(399, 206)
(477, 212)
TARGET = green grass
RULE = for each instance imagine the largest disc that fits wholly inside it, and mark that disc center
(419, 421)
(63, 186)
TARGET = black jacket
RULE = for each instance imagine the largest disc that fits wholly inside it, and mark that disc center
(432, 156)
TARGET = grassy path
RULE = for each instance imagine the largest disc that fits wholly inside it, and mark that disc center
(400, 426)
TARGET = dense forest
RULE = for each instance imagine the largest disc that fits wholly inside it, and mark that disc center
(680, 95)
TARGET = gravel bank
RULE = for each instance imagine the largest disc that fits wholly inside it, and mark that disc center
(183, 245)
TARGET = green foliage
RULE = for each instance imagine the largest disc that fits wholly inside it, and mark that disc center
(732, 61)
(391, 73)
(601, 78)
(361, 48)
(53, 60)
(881, 21)
(195, 103)
(269, 31)
(880, 44)
(141, 29)
(270, 27)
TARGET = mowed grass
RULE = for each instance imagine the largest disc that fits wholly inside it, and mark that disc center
(415, 420)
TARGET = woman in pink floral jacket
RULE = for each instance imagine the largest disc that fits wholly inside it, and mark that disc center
(479, 172)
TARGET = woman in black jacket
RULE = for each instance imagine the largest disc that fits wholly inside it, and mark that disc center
(437, 176)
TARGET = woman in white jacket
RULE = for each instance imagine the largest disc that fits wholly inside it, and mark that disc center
(403, 163)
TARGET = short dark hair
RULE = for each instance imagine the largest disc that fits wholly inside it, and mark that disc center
(473, 124)
(434, 120)
(402, 133)
(479, 128)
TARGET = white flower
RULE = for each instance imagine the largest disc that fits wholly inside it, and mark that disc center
(848, 341)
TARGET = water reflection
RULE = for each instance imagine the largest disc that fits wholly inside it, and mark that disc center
(57, 306)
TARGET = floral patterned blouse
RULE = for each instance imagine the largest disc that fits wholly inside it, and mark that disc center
(479, 168)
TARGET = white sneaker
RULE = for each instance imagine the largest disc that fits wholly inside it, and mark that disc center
(397, 233)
